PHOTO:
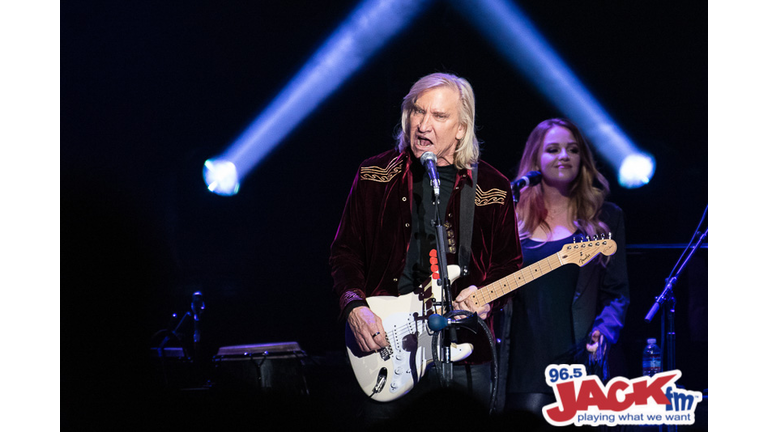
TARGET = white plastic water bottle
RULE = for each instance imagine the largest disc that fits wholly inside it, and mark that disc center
(651, 358)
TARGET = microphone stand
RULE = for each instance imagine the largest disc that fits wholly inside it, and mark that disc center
(197, 308)
(445, 285)
(668, 301)
(172, 334)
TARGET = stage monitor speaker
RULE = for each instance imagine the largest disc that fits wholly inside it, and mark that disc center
(271, 368)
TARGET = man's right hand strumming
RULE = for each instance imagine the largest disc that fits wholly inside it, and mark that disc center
(368, 329)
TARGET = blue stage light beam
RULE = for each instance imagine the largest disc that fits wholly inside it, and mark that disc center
(505, 25)
(368, 28)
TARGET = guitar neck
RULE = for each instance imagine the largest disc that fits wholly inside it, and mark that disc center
(517, 279)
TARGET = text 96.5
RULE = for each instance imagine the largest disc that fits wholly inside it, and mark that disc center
(560, 373)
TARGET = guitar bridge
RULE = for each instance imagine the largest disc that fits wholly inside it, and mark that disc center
(385, 353)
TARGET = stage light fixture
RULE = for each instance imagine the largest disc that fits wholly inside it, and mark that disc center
(636, 170)
(367, 29)
(221, 177)
(506, 26)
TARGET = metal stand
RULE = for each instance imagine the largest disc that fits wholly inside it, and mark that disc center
(667, 300)
(449, 335)
(172, 334)
(197, 308)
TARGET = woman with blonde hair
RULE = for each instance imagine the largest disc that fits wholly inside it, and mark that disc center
(572, 314)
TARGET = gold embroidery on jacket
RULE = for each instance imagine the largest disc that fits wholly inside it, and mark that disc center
(493, 196)
(382, 175)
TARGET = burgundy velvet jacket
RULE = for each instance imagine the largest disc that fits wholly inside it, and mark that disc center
(369, 252)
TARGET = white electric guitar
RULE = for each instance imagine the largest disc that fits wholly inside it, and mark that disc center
(388, 374)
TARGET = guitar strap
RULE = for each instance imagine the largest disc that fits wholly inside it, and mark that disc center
(467, 216)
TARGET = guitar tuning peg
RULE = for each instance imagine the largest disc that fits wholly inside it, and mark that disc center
(609, 235)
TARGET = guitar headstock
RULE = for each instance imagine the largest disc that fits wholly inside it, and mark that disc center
(583, 252)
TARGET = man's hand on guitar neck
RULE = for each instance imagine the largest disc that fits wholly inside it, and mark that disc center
(368, 329)
(463, 302)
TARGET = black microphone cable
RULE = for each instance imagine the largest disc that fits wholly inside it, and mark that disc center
(494, 363)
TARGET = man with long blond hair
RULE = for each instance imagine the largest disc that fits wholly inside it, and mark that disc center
(385, 235)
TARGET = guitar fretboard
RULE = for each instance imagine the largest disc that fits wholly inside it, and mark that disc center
(516, 280)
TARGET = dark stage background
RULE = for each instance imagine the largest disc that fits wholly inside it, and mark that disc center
(150, 90)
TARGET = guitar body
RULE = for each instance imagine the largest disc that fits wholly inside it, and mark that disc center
(389, 374)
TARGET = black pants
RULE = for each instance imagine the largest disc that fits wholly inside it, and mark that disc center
(431, 403)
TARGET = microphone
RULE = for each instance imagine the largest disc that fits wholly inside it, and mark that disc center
(532, 178)
(437, 322)
(429, 160)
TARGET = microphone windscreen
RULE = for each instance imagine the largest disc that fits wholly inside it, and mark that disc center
(428, 156)
(437, 322)
(534, 178)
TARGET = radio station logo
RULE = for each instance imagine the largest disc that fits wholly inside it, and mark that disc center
(584, 400)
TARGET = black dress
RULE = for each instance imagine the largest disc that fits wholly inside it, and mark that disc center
(542, 313)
